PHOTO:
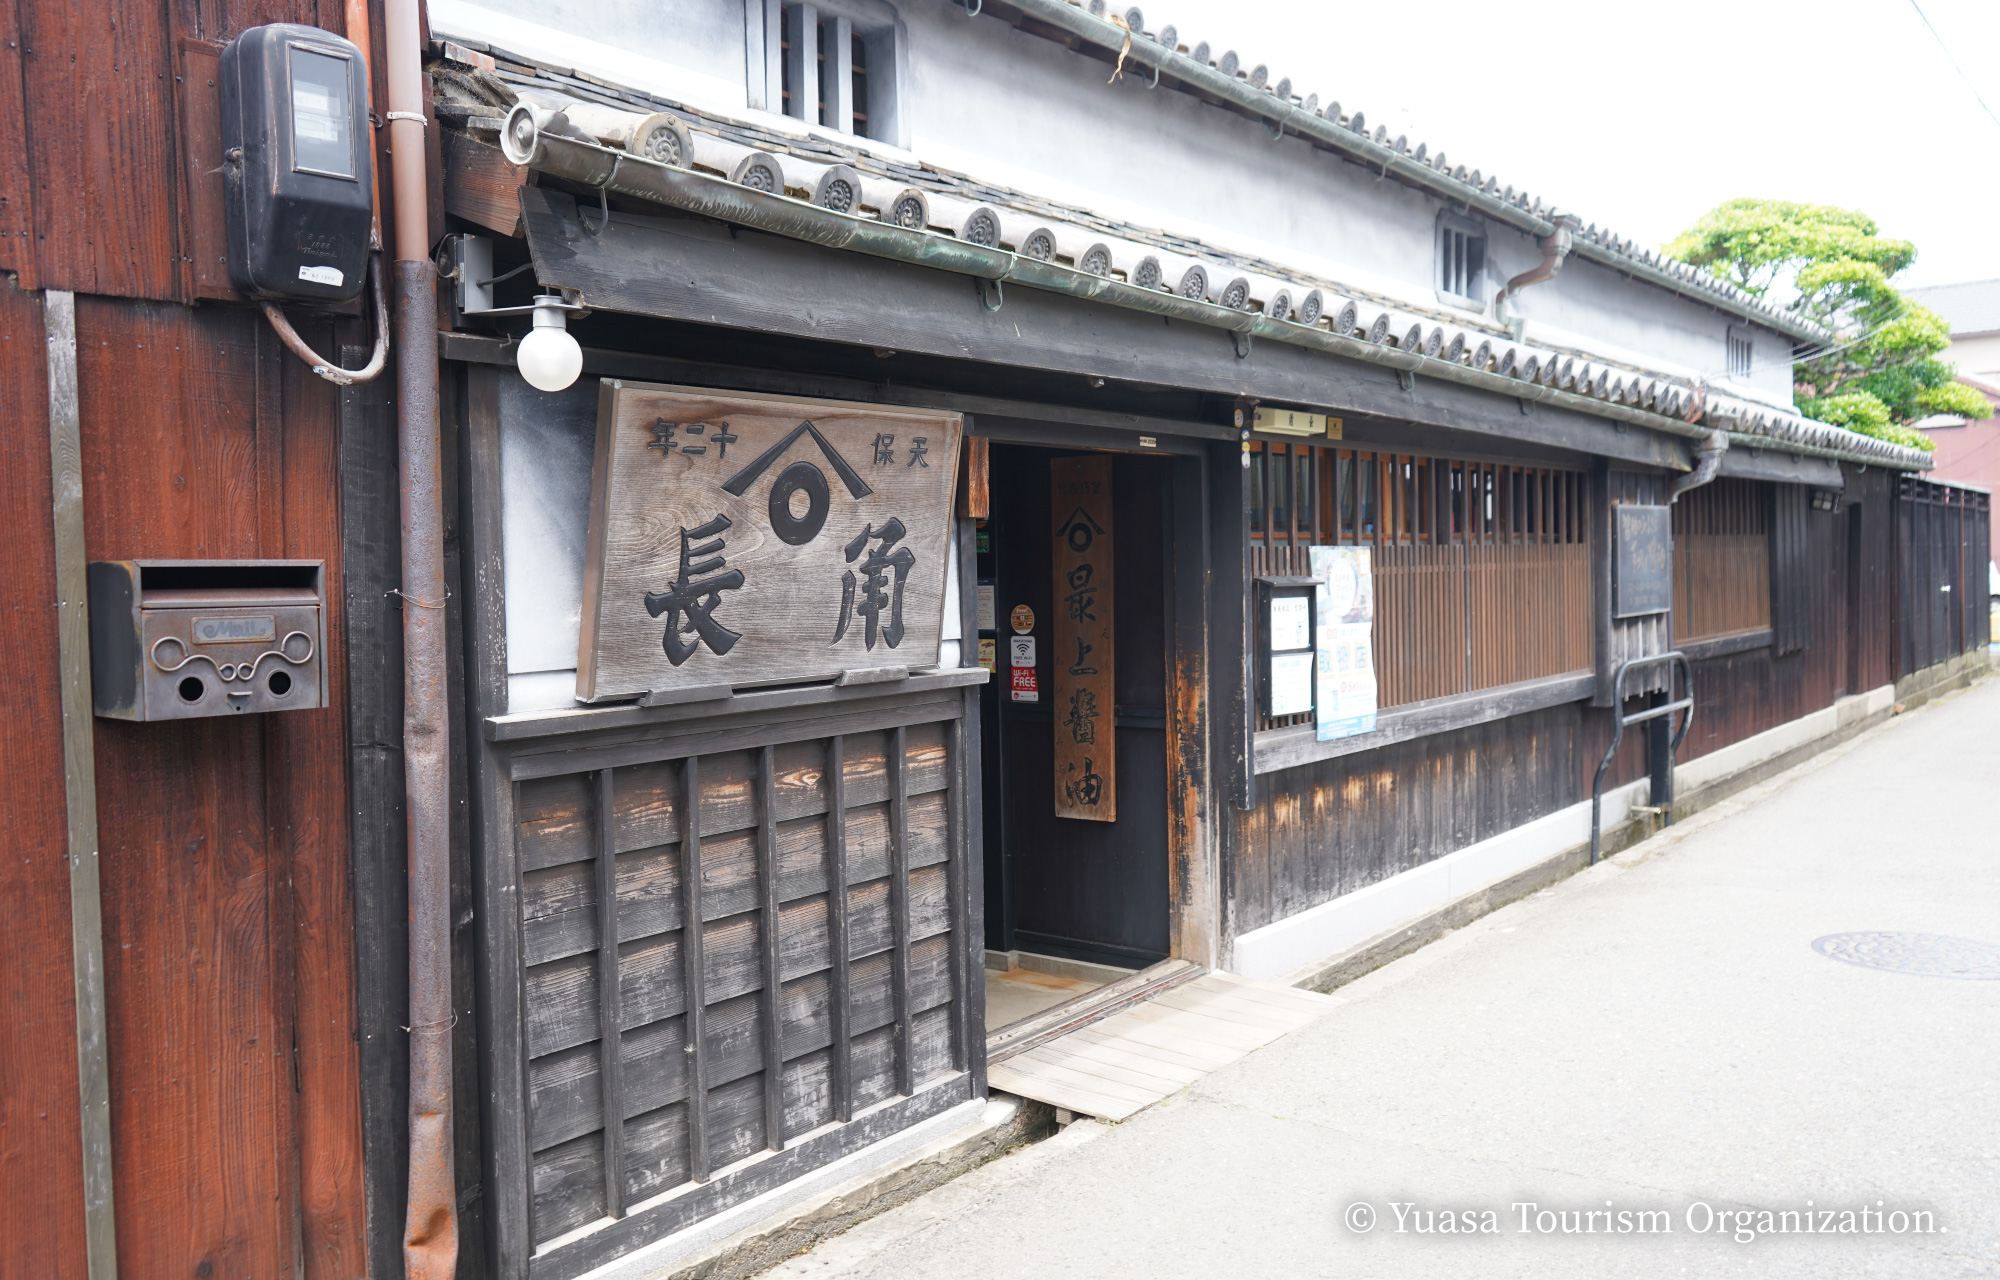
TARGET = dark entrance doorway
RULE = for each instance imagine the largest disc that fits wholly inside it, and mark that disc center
(1083, 890)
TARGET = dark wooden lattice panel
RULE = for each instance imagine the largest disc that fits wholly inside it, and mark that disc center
(1722, 560)
(832, 887)
(1482, 569)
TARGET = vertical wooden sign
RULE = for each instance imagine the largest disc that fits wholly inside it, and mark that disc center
(1086, 753)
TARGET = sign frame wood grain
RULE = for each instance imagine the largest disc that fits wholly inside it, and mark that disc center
(739, 540)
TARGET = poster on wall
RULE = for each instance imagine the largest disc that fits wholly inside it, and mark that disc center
(742, 540)
(1345, 658)
(1086, 755)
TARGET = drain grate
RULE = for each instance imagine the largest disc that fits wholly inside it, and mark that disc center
(1927, 955)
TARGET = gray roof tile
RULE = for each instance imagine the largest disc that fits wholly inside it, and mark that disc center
(1970, 307)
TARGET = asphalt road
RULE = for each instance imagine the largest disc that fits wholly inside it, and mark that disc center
(1656, 1036)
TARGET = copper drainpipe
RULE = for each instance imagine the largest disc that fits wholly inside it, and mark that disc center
(1555, 249)
(430, 1229)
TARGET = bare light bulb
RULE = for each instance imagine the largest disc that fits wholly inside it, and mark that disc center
(548, 357)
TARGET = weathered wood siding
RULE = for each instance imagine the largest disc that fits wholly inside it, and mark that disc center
(1329, 828)
(1842, 567)
(228, 929)
(1942, 535)
(786, 961)
(1722, 560)
(227, 914)
(41, 1169)
(94, 146)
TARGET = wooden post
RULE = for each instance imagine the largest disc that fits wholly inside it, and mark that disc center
(840, 1051)
(974, 497)
(694, 1018)
(837, 91)
(86, 920)
(1194, 900)
(774, 986)
(1598, 529)
(897, 778)
(610, 1021)
(802, 63)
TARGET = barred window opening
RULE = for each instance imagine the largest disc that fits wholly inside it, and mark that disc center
(1482, 571)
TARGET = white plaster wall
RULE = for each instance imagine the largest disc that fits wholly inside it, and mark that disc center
(546, 447)
(700, 36)
(1979, 354)
(1016, 110)
(1050, 124)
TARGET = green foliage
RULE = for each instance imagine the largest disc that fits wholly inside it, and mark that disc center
(1755, 244)
(1880, 374)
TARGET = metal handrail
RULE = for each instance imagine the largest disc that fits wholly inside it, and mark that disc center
(1650, 713)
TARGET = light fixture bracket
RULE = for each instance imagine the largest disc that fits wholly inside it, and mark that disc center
(471, 273)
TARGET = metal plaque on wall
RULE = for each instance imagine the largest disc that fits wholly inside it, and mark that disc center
(1642, 567)
(742, 540)
(1086, 758)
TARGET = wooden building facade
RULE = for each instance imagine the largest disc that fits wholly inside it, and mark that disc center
(710, 938)
(183, 1091)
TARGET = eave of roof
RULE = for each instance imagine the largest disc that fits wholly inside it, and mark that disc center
(1393, 158)
(1649, 401)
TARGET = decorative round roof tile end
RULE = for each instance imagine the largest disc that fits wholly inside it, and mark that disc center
(1310, 308)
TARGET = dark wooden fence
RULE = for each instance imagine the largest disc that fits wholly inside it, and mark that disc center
(1482, 571)
(1943, 540)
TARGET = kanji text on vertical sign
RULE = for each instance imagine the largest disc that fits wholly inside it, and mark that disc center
(752, 539)
(1086, 754)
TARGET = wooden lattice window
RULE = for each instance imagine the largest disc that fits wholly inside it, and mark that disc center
(1482, 571)
(1722, 560)
(700, 991)
(806, 80)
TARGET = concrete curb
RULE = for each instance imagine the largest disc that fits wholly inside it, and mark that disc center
(1007, 1124)
(1912, 691)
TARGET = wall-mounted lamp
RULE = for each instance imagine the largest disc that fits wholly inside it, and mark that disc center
(547, 356)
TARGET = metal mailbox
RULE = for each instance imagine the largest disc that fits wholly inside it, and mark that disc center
(177, 639)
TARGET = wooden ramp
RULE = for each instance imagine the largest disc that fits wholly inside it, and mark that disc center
(1132, 1059)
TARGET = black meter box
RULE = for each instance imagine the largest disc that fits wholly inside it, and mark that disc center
(298, 174)
(179, 639)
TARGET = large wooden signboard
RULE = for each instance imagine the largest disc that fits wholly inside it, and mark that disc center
(1086, 744)
(741, 540)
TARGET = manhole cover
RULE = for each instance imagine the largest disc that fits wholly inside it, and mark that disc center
(1927, 955)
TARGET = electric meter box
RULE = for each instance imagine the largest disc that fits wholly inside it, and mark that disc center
(298, 174)
(180, 639)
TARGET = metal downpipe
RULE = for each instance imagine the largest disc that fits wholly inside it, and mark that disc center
(1707, 461)
(430, 1230)
(1555, 248)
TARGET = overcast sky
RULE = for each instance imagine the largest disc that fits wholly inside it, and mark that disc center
(1640, 116)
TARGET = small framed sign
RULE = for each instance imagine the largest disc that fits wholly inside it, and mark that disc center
(742, 540)
(1642, 579)
(1287, 654)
